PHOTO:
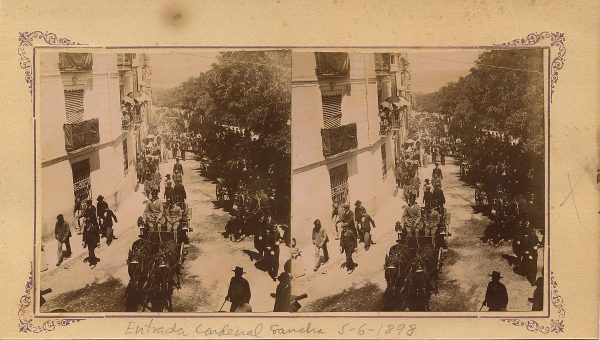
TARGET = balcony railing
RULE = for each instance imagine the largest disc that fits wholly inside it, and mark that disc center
(382, 62)
(74, 62)
(82, 134)
(339, 139)
(125, 60)
(126, 122)
(332, 64)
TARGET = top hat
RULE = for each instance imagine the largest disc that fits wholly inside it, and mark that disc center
(100, 198)
(495, 275)
(239, 270)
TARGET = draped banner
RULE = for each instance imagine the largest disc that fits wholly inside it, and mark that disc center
(333, 64)
(75, 61)
(82, 134)
(339, 139)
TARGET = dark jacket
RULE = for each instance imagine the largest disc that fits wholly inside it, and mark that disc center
(102, 206)
(239, 290)
(179, 191)
(496, 297)
(538, 299)
(177, 167)
(348, 240)
(438, 196)
(108, 219)
(366, 226)
(282, 295)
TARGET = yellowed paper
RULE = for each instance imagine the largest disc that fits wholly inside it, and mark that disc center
(339, 305)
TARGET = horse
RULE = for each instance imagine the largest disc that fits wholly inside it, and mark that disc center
(396, 263)
(138, 265)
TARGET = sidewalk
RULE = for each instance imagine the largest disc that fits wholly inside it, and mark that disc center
(127, 215)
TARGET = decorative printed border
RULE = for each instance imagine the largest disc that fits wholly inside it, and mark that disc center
(26, 39)
(26, 314)
(557, 40)
(556, 323)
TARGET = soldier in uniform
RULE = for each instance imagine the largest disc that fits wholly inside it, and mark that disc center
(496, 297)
(239, 290)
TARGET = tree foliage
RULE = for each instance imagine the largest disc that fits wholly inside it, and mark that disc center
(503, 92)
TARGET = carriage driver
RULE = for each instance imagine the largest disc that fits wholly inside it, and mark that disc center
(411, 217)
(173, 216)
(154, 211)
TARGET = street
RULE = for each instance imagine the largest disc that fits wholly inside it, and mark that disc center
(206, 271)
(464, 276)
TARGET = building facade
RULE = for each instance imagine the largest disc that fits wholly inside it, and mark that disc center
(341, 151)
(87, 149)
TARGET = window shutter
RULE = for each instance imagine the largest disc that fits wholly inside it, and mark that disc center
(332, 111)
(74, 106)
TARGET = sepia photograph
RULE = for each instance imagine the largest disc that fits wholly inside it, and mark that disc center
(165, 181)
(418, 180)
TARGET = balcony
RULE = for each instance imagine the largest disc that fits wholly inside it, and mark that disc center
(332, 65)
(82, 134)
(339, 139)
(125, 61)
(382, 63)
(74, 62)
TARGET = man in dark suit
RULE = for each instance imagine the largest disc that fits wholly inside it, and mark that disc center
(496, 297)
(239, 290)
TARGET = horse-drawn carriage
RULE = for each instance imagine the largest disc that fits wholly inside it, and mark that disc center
(413, 264)
(154, 266)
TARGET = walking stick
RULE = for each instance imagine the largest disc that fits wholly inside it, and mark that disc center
(221, 309)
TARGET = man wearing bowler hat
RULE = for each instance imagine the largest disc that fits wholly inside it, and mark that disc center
(239, 290)
(496, 297)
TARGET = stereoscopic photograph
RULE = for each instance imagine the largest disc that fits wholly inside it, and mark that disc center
(165, 181)
(418, 180)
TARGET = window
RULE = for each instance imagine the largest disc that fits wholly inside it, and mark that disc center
(338, 178)
(74, 106)
(383, 161)
(332, 110)
(82, 187)
(125, 158)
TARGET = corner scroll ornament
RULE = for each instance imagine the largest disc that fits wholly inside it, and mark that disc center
(556, 319)
(26, 39)
(27, 318)
(557, 51)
